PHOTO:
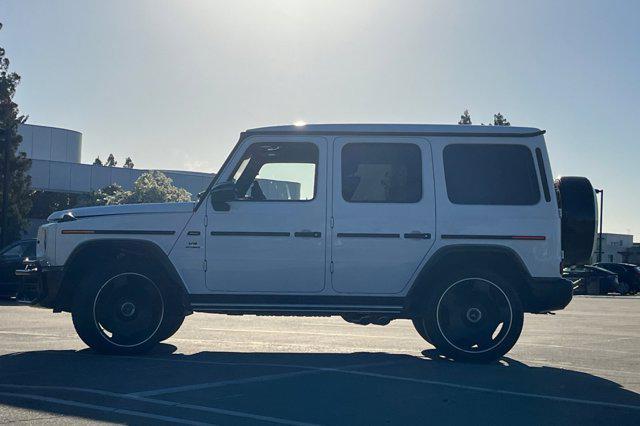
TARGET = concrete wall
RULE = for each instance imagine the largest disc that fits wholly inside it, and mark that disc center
(50, 143)
(72, 177)
(56, 166)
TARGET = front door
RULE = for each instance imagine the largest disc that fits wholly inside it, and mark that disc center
(272, 238)
(383, 212)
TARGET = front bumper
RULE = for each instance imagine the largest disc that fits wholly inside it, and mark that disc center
(549, 294)
(40, 284)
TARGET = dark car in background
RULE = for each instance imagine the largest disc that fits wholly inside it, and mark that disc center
(627, 273)
(11, 258)
(588, 279)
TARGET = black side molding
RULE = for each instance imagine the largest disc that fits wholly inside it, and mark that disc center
(116, 232)
(493, 237)
(366, 235)
(249, 234)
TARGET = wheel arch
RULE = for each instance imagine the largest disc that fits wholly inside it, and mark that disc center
(92, 253)
(501, 259)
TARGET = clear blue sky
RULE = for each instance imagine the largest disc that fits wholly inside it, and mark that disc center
(172, 83)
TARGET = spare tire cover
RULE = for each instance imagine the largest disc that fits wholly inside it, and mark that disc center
(577, 199)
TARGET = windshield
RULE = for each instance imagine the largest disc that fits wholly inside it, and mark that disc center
(12, 250)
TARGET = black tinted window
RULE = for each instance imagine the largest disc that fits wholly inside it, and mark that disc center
(381, 173)
(490, 174)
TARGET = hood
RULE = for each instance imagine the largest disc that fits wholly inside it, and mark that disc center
(121, 209)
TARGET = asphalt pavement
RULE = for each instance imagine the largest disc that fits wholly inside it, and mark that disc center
(579, 367)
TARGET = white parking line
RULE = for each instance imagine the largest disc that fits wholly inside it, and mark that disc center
(33, 334)
(101, 408)
(254, 379)
(220, 383)
(562, 365)
(577, 348)
(154, 401)
(491, 390)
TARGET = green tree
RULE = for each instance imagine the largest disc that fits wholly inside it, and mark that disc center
(500, 120)
(465, 118)
(150, 187)
(111, 161)
(128, 164)
(97, 162)
(156, 187)
(109, 195)
(14, 165)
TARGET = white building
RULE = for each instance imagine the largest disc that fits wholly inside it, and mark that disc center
(613, 247)
(55, 154)
(55, 167)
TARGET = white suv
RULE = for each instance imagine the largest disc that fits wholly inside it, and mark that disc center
(457, 228)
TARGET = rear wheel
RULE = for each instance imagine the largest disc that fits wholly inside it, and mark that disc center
(474, 316)
(420, 327)
(119, 312)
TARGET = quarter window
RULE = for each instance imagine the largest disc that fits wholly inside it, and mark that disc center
(277, 172)
(381, 173)
(490, 174)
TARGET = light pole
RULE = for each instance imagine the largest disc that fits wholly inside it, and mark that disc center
(601, 192)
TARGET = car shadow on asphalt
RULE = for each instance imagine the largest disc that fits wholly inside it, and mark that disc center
(278, 383)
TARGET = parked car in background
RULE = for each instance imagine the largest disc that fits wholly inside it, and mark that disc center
(11, 258)
(627, 273)
(589, 279)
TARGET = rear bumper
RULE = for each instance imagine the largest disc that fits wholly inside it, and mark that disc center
(40, 284)
(550, 294)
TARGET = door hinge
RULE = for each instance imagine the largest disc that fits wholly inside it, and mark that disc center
(331, 222)
(206, 220)
(204, 265)
(331, 266)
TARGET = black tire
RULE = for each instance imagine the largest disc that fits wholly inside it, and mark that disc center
(119, 310)
(577, 199)
(473, 315)
(418, 323)
(170, 326)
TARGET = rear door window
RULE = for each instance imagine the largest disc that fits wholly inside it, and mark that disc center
(381, 173)
(490, 174)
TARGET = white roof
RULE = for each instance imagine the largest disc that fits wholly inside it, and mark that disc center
(397, 128)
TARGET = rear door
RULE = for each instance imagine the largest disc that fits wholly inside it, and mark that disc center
(383, 213)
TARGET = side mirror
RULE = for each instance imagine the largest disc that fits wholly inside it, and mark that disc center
(221, 194)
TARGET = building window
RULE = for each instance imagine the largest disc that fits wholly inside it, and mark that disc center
(381, 173)
(490, 174)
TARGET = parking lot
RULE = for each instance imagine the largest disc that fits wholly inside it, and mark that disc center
(580, 366)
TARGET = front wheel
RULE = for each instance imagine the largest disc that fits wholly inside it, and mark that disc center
(474, 316)
(170, 326)
(119, 313)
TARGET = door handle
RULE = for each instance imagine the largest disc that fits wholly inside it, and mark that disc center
(307, 234)
(418, 235)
